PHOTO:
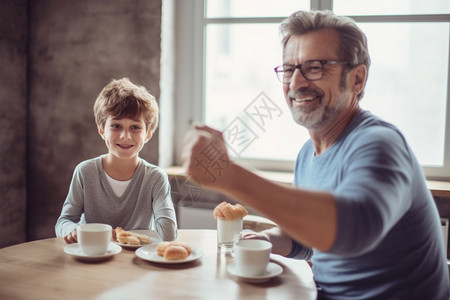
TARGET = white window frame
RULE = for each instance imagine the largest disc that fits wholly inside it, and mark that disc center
(188, 93)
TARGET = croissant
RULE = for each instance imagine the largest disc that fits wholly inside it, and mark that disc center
(229, 212)
(131, 238)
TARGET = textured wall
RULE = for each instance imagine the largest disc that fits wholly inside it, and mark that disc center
(13, 28)
(74, 49)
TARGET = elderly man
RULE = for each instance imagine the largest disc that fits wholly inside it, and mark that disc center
(360, 209)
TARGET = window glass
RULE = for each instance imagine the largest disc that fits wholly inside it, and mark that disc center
(253, 8)
(234, 87)
(243, 97)
(407, 82)
(406, 86)
(389, 7)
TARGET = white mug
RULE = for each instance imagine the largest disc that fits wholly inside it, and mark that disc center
(94, 238)
(252, 257)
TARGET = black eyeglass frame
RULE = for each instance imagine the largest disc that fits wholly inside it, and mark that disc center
(279, 70)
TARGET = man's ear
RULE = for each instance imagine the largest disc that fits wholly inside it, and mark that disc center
(149, 136)
(359, 78)
(101, 131)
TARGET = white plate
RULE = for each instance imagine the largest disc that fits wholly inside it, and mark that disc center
(272, 270)
(148, 252)
(75, 250)
(152, 234)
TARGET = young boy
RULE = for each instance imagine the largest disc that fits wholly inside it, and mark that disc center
(120, 188)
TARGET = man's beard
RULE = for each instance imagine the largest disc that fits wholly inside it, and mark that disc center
(319, 115)
(316, 118)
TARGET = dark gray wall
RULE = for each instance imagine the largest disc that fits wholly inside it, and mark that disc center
(51, 72)
(13, 103)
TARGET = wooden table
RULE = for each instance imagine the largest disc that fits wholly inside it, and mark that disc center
(41, 270)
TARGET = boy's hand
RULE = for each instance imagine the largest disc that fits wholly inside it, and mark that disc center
(71, 237)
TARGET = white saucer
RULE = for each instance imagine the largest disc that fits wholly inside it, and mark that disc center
(75, 251)
(272, 270)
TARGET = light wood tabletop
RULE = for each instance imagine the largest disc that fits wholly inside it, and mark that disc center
(42, 270)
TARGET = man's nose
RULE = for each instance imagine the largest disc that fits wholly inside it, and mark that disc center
(298, 80)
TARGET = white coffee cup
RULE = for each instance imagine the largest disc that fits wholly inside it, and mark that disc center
(252, 257)
(94, 238)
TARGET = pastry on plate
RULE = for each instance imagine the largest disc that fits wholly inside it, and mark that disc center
(131, 238)
(174, 250)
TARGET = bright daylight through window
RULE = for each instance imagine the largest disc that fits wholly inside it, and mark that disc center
(237, 45)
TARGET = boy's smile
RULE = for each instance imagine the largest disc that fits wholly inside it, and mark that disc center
(125, 137)
(124, 146)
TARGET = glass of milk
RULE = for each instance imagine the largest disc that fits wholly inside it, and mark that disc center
(228, 233)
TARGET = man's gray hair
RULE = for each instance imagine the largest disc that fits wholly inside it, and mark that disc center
(353, 42)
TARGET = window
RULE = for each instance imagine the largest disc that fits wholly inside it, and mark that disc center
(227, 49)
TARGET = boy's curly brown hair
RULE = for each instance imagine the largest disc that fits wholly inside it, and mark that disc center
(123, 99)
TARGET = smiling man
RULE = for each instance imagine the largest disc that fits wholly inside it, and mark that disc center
(359, 208)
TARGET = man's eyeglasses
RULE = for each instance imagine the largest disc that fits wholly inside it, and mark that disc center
(311, 69)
